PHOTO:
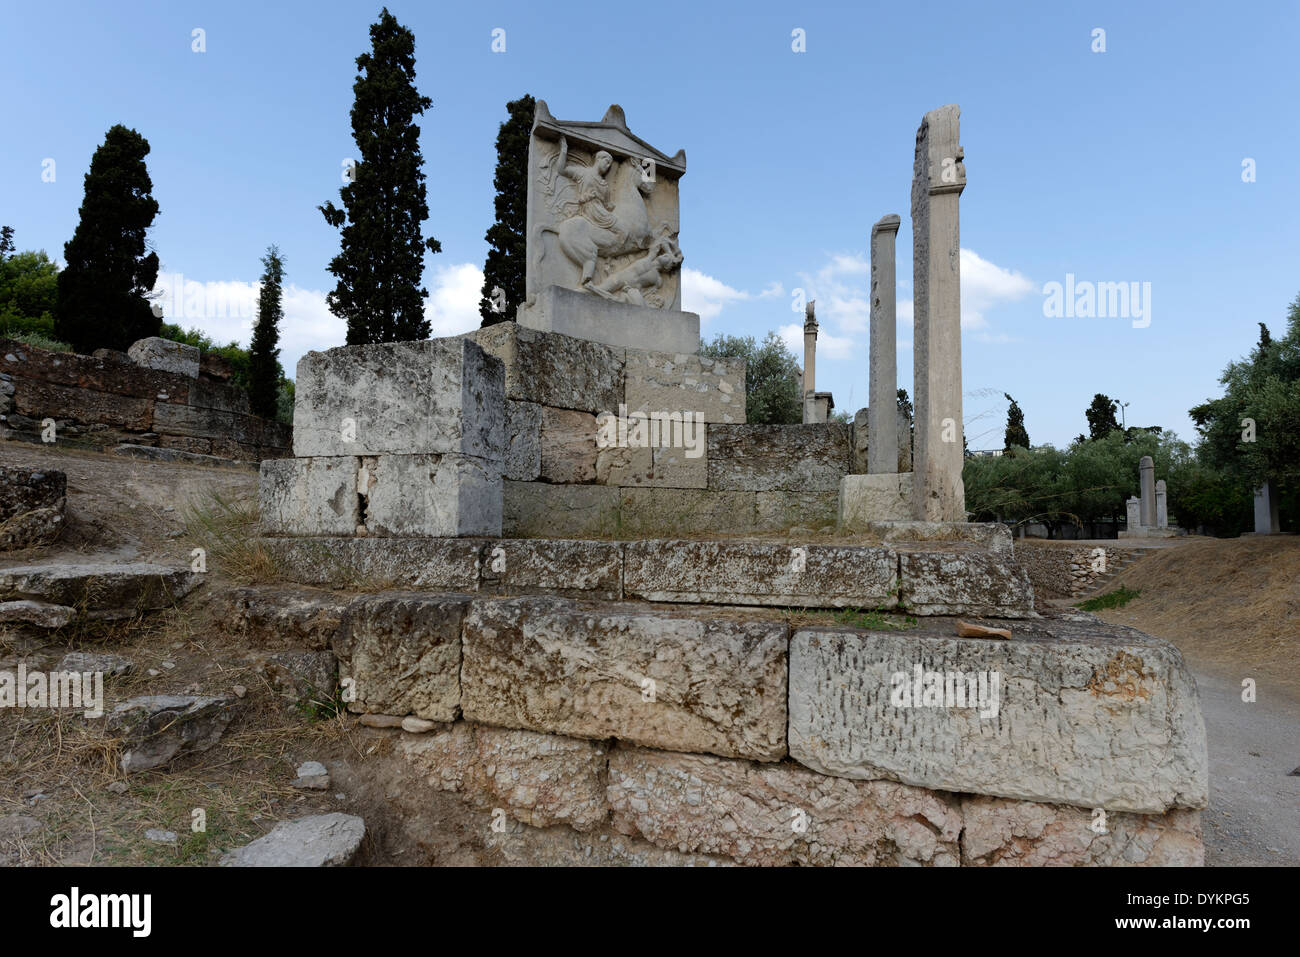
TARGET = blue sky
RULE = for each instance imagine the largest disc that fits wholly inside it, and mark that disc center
(1122, 166)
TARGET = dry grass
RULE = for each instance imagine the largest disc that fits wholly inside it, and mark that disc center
(228, 530)
(1227, 603)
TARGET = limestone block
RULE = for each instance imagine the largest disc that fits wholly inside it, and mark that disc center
(40, 400)
(402, 652)
(523, 441)
(1021, 833)
(37, 614)
(541, 510)
(556, 370)
(994, 537)
(584, 316)
(307, 678)
(194, 422)
(166, 356)
(760, 573)
(882, 497)
(778, 511)
(435, 495)
(436, 564)
(440, 395)
(568, 446)
(672, 467)
(1083, 714)
(778, 814)
(219, 396)
(862, 441)
(655, 678)
(669, 511)
(539, 779)
(765, 458)
(154, 729)
(322, 840)
(315, 496)
(100, 587)
(664, 381)
(268, 616)
(543, 566)
(963, 581)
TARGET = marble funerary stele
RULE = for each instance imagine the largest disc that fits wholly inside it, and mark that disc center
(603, 212)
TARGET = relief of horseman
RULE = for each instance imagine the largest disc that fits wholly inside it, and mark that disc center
(601, 211)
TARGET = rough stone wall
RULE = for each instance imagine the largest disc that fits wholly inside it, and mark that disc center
(1058, 570)
(105, 400)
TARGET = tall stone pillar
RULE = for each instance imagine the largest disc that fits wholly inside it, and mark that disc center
(1162, 505)
(882, 412)
(1147, 488)
(810, 364)
(1266, 517)
(938, 178)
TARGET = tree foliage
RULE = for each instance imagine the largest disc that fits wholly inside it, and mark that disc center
(102, 288)
(381, 259)
(1015, 435)
(507, 237)
(772, 378)
(1253, 431)
(1088, 482)
(1101, 416)
(29, 290)
(263, 353)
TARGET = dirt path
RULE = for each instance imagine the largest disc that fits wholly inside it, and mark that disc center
(1254, 813)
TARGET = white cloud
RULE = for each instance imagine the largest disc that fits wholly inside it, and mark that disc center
(984, 285)
(707, 296)
(226, 311)
(840, 289)
(454, 293)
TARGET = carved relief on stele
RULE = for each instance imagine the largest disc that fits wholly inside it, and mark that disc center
(603, 213)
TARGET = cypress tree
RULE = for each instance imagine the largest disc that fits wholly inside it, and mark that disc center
(1015, 434)
(263, 353)
(102, 289)
(507, 237)
(381, 259)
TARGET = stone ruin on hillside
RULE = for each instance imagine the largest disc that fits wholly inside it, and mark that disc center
(575, 556)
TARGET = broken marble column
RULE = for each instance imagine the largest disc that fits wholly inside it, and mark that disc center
(882, 414)
(938, 178)
(1147, 489)
(1133, 515)
(810, 364)
(1162, 505)
(1266, 517)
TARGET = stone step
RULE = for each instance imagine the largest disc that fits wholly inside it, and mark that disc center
(101, 589)
(926, 578)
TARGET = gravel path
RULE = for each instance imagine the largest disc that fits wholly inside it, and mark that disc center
(1254, 812)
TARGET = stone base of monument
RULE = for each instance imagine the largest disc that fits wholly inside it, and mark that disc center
(586, 316)
(1143, 531)
(630, 732)
(884, 497)
(427, 494)
(940, 578)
